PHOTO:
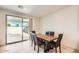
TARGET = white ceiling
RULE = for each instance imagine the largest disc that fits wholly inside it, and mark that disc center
(34, 10)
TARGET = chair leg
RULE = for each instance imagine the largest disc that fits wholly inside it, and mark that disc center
(38, 49)
(44, 48)
(31, 43)
(56, 49)
(34, 46)
(60, 48)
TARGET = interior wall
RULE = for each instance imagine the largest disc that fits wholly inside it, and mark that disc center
(63, 21)
(37, 24)
(3, 24)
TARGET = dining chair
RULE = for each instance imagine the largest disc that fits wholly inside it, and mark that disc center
(37, 41)
(52, 33)
(32, 40)
(47, 33)
(57, 43)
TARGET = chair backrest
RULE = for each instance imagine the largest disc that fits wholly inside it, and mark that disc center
(59, 39)
(47, 33)
(31, 36)
(52, 33)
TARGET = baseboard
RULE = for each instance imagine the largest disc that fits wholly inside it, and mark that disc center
(70, 47)
(2, 45)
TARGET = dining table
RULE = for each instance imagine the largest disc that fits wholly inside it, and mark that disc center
(46, 37)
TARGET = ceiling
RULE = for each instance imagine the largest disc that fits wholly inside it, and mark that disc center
(33, 10)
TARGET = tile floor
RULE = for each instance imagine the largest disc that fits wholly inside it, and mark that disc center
(25, 47)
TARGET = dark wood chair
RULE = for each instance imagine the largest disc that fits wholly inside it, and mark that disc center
(52, 33)
(47, 33)
(37, 41)
(32, 40)
(57, 43)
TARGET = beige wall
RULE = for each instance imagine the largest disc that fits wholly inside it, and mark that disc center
(63, 21)
(3, 24)
(37, 24)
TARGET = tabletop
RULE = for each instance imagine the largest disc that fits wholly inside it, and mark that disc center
(46, 37)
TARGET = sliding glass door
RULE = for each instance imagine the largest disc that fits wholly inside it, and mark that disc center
(14, 29)
(17, 29)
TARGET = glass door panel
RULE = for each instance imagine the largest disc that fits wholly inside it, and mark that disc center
(14, 29)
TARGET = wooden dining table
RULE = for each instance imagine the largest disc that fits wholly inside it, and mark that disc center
(47, 39)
